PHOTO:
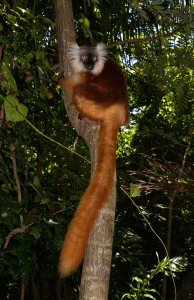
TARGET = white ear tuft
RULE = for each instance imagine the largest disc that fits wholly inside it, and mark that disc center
(74, 55)
(73, 50)
(102, 51)
(102, 55)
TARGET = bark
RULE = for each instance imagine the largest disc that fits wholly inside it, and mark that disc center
(35, 290)
(187, 290)
(97, 260)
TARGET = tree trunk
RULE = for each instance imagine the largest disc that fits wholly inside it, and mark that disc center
(187, 290)
(97, 260)
(98, 255)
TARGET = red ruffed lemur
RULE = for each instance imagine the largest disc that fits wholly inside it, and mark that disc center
(99, 93)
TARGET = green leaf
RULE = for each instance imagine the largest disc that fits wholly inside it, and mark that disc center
(36, 231)
(86, 23)
(149, 296)
(14, 110)
(37, 182)
(40, 54)
(134, 190)
(8, 76)
(137, 279)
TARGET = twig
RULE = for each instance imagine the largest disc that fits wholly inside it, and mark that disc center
(16, 179)
(15, 231)
(1, 51)
(2, 117)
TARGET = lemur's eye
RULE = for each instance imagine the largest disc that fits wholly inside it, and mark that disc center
(84, 57)
(94, 57)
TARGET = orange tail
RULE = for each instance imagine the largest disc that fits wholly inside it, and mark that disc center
(92, 201)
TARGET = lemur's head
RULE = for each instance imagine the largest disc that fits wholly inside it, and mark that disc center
(88, 58)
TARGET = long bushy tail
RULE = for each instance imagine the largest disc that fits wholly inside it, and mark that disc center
(92, 201)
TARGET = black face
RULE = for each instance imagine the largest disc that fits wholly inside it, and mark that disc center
(89, 61)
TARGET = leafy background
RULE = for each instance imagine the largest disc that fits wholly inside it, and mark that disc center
(41, 181)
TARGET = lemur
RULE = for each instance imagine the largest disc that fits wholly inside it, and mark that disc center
(99, 93)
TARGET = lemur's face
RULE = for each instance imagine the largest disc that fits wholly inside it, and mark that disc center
(88, 59)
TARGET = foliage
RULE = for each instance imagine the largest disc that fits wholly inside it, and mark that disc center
(41, 182)
(33, 190)
(140, 288)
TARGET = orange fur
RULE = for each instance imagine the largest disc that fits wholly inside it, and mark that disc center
(98, 97)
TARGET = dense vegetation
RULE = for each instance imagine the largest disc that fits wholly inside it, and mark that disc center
(42, 180)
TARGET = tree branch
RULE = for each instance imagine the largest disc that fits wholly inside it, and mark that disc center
(146, 40)
(15, 231)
